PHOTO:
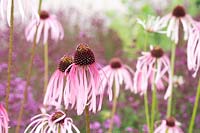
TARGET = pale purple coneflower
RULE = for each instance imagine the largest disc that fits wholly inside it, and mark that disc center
(115, 74)
(83, 81)
(23, 8)
(174, 20)
(153, 66)
(169, 125)
(3, 120)
(54, 123)
(193, 49)
(55, 88)
(47, 23)
(152, 24)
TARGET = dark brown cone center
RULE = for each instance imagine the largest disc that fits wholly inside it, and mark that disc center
(44, 15)
(64, 63)
(83, 55)
(179, 11)
(170, 122)
(56, 116)
(115, 63)
(157, 52)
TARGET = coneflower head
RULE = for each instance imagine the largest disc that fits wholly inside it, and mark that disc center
(157, 52)
(64, 63)
(115, 63)
(179, 11)
(170, 122)
(44, 14)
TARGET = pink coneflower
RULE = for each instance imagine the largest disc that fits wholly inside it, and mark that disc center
(55, 88)
(45, 123)
(115, 74)
(153, 63)
(3, 120)
(46, 23)
(84, 81)
(21, 7)
(174, 20)
(193, 49)
(170, 125)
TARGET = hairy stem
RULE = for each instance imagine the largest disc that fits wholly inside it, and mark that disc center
(153, 107)
(169, 105)
(45, 67)
(147, 110)
(10, 54)
(87, 119)
(192, 121)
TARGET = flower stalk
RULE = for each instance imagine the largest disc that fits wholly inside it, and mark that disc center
(192, 121)
(45, 66)
(147, 110)
(10, 53)
(87, 119)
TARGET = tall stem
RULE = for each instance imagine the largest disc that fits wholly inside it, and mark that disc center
(87, 119)
(113, 110)
(192, 121)
(173, 52)
(10, 54)
(147, 110)
(153, 106)
(40, 6)
(45, 66)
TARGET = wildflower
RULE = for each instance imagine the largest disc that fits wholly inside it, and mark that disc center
(174, 20)
(84, 81)
(55, 88)
(193, 49)
(153, 65)
(22, 7)
(46, 22)
(3, 120)
(58, 121)
(116, 74)
(170, 125)
(152, 24)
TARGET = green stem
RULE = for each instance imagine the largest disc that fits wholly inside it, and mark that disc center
(192, 121)
(45, 66)
(153, 106)
(87, 119)
(173, 52)
(147, 110)
(10, 54)
(40, 6)
(145, 43)
(113, 111)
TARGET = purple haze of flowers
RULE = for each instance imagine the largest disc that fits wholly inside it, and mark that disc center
(117, 122)
(96, 127)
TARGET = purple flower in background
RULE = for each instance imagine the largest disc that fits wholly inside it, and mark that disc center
(116, 119)
(47, 23)
(115, 74)
(193, 49)
(55, 88)
(3, 120)
(96, 127)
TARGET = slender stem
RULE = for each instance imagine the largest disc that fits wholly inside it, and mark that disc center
(145, 43)
(147, 110)
(173, 52)
(40, 6)
(153, 107)
(87, 119)
(113, 110)
(10, 54)
(45, 66)
(192, 121)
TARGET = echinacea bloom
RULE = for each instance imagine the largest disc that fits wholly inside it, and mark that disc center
(170, 125)
(193, 49)
(152, 24)
(115, 74)
(84, 81)
(21, 7)
(153, 66)
(174, 20)
(55, 88)
(3, 120)
(47, 23)
(45, 123)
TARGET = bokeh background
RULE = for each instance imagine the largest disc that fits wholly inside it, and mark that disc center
(111, 30)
